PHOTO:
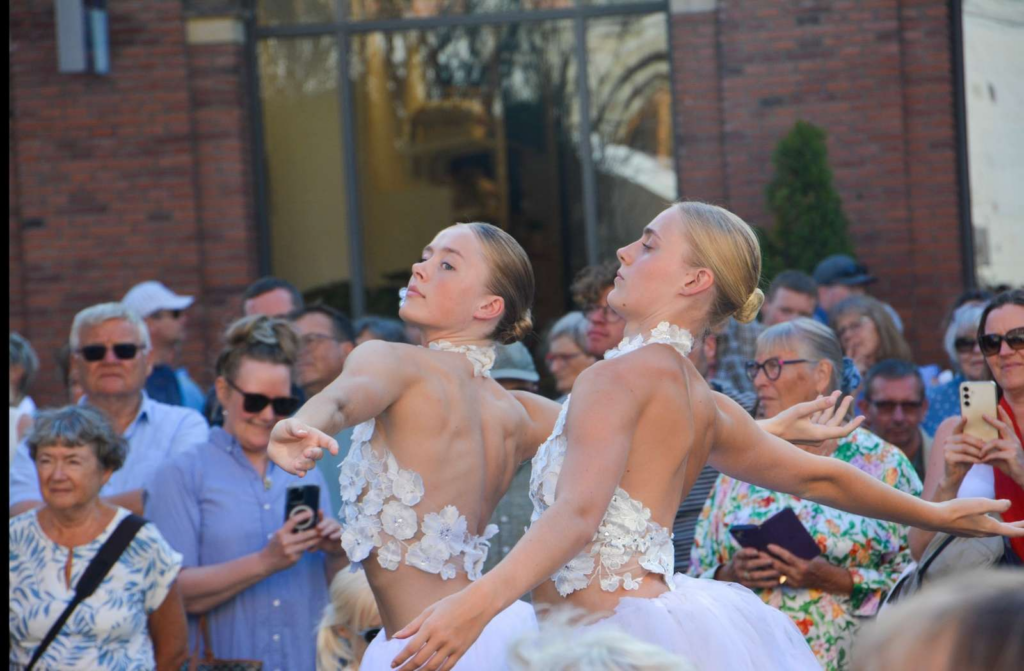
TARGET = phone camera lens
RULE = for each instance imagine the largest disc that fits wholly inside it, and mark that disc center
(967, 403)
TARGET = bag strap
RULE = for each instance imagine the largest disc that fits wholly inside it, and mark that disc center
(935, 553)
(204, 640)
(94, 573)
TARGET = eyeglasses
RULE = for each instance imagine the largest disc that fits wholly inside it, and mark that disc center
(607, 314)
(964, 345)
(855, 325)
(125, 351)
(772, 367)
(369, 634)
(284, 406)
(551, 357)
(991, 343)
(889, 407)
(311, 339)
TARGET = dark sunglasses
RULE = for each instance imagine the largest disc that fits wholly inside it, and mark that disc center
(369, 634)
(125, 351)
(991, 343)
(889, 407)
(175, 314)
(772, 367)
(284, 406)
(964, 345)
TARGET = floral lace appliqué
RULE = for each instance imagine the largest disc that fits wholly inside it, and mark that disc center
(482, 358)
(664, 333)
(389, 493)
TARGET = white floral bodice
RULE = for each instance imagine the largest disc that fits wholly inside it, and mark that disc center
(628, 543)
(378, 514)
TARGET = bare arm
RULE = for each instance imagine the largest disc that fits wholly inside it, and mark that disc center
(376, 374)
(743, 451)
(169, 632)
(543, 414)
(601, 420)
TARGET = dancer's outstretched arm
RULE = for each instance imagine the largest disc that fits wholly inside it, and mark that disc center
(375, 375)
(745, 452)
(606, 404)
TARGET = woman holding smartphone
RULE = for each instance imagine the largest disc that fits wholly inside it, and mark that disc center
(629, 443)
(964, 465)
(259, 581)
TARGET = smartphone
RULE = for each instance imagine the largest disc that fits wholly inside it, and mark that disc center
(302, 499)
(977, 399)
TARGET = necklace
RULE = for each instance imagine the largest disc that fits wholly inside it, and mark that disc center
(482, 358)
(664, 333)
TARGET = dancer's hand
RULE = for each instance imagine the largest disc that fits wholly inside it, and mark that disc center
(751, 568)
(1005, 452)
(971, 518)
(813, 422)
(295, 446)
(442, 633)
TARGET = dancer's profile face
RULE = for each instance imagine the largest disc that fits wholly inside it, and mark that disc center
(448, 287)
(654, 269)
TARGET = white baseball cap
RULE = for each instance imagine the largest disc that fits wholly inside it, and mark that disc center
(146, 298)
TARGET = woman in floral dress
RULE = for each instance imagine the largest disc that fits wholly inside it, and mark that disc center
(830, 596)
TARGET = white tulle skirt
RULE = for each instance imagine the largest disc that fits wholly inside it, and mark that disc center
(715, 625)
(489, 652)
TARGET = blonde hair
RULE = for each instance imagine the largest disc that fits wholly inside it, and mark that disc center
(353, 607)
(257, 337)
(725, 244)
(511, 277)
(565, 642)
(979, 614)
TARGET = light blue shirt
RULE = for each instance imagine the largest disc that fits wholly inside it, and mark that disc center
(156, 434)
(212, 506)
(191, 395)
(330, 467)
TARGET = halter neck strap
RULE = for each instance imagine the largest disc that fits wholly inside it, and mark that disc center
(482, 358)
(664, 333)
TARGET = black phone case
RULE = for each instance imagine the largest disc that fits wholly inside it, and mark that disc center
(783, 529)
(301, 498)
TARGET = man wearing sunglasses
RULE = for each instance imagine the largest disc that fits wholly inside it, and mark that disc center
(894, 406)
(166, 319)
(110, 352)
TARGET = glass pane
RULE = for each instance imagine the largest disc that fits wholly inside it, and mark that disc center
(631, 124)
(305, 185)
(394, 9)
(277, 12)
(994, 90)
(467, 124)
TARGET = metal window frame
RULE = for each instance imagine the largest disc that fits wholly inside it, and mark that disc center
(343, 29)
(963, 172)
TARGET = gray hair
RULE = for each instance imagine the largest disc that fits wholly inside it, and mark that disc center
(23, 355)
(104, 312)
(78, 425)
(964, 322)
(812, 339)
(572, 325)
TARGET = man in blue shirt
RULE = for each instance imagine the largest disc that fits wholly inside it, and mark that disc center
(110, 351)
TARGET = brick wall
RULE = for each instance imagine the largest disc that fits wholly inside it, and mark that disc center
(140, 174)
(876, 75)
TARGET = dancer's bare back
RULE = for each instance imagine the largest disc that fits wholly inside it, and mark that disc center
(463, 434)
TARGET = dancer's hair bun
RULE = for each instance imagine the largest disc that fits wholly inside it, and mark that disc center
(748, 311)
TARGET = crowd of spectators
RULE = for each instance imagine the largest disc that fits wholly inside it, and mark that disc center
(140, 437)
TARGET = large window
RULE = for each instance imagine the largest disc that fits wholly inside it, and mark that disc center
(458, 110)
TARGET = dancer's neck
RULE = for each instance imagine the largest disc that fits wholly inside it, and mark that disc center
(457, 338)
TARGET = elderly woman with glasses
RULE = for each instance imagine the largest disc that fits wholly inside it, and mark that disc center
(567, 354)
(961, 344)
(828, 597)
(134, 619)
(867, 332)
(258, 580)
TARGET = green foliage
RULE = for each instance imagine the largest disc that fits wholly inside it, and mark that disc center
(809, 220)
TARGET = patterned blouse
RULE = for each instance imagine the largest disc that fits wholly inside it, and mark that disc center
(873, 551)
(109, 630)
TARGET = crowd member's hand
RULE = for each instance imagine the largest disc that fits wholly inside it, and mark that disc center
(296, 447)
(961, 451)
(287, 545)
(751, 568)
(815, 573)
(1005, 452)
(329, 536)
(813, 422)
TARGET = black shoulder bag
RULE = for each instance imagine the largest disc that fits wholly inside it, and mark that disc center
(93, 575)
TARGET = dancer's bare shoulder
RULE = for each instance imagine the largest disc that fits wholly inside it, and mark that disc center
(382, 358)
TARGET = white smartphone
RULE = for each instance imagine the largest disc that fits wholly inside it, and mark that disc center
(978, 399)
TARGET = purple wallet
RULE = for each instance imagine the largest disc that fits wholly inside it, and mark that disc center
(783, 529)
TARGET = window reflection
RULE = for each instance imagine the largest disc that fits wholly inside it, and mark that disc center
(395, 9)
(283, 12)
